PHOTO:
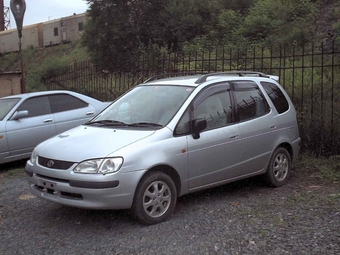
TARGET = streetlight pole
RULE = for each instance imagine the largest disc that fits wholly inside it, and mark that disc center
(18, 8)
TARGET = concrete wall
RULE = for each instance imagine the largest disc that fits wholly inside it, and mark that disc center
(44, 34)
(10, 83)
(31, 37)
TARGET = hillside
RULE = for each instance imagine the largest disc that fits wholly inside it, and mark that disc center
(38, 60)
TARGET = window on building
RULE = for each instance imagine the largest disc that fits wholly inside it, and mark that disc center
(81, 26)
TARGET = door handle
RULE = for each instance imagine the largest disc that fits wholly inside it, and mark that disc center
(272, 126)
(233, 136)
(48, 120)
(89, 113)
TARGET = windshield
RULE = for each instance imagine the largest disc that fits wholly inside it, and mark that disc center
(6, 105)
(145, 105)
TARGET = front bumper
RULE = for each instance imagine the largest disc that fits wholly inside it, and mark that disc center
(111, 191)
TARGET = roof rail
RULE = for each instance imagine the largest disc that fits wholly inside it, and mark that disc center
(239, 73)
(160, 76)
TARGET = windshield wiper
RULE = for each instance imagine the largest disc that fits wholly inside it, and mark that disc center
(107, 123)
(120, 123)
(145, 124)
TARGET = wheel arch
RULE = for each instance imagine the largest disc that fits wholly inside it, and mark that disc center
(288, 147)
(170, 171)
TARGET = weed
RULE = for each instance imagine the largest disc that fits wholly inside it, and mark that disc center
(324, 168)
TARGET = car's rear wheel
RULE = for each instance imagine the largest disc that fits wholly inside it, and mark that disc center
(155, 198)
(279, 168)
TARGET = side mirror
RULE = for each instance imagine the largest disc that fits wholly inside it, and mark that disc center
(19, 115)
(198, 125)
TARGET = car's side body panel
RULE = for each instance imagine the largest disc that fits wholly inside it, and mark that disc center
(19, 136)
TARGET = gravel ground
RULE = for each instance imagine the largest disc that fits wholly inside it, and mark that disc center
(245, 217)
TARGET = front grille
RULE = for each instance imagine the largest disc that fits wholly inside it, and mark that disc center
(55, 164)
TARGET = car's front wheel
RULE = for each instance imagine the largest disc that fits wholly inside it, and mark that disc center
(279, 168)
(155, 198)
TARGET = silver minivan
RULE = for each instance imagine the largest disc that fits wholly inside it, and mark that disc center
(169, 137)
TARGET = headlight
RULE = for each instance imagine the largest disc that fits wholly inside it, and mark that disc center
(33, 157)
(99, 166)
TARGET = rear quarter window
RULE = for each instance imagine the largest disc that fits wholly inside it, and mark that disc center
(276, 96)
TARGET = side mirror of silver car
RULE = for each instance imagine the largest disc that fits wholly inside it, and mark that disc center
(198, 125)
(19, 115)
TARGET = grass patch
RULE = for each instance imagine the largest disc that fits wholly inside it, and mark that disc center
(15, 172)
(40, 61)
(311, 199)
(324, 168)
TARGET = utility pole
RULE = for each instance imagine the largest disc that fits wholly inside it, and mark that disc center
(18, 8)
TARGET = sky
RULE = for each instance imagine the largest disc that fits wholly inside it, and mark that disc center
(44, 10)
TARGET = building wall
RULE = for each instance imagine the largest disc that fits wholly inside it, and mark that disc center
(73, 27)
(44, 34)
(52, 32)
(10, 83)
(9, 40)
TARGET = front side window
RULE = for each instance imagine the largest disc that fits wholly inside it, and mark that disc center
(35, 106)
(6, 105)
(216, 109)
(250, 102)
(212, 104)
(275, 94)
(65, 102)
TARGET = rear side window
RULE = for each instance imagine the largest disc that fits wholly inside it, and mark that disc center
(64, 102)
(275, 94)
(250, 101)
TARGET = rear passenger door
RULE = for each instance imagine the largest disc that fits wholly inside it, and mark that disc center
(258, 126)
(69, 111)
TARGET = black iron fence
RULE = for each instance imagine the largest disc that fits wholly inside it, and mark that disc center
(310, 75)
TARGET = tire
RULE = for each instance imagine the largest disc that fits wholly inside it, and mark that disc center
(279, 168)
(155, 198)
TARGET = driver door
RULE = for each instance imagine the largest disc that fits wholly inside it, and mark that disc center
(25, 133)
(215, 155)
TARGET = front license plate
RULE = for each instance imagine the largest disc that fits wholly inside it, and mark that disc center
(47, 184)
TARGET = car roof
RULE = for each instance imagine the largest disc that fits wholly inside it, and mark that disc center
(40, 93)
(195, 80)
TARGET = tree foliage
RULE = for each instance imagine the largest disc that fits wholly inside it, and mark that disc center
(119, 31)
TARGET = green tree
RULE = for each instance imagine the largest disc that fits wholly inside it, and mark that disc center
(116, 30)
(280, 22)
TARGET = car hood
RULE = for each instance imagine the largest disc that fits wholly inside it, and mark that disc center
(85, 142)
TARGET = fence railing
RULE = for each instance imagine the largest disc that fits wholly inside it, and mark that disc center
(310, 75)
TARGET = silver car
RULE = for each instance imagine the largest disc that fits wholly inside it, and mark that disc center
(169, 137)
(28, 119)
